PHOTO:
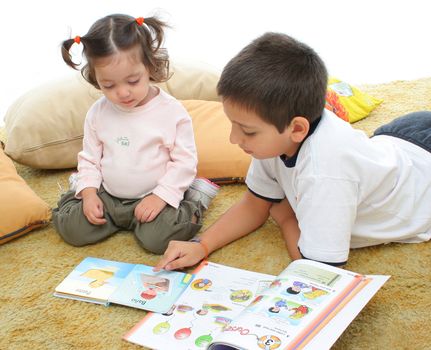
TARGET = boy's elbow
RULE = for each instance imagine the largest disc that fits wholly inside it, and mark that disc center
(257, 207)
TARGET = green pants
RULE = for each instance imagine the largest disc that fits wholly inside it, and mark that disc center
(171, 223)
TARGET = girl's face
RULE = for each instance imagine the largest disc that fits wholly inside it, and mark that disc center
(124, 79)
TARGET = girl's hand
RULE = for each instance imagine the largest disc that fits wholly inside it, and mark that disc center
(180, 254)
(92, 206)
(149, 207)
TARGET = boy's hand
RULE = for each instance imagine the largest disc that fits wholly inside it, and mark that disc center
(92, 206)
(149, 207)
(180, 254)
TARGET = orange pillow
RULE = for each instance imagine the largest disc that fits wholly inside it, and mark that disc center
(218, 159)
(21, 210)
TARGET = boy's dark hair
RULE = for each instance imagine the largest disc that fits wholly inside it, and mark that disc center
(278, 78)
(119, 32)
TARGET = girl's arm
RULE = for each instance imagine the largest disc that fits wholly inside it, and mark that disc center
(181, 169)
(89, 158)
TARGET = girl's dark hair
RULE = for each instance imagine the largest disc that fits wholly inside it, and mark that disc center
(119, 32)
(278, 78)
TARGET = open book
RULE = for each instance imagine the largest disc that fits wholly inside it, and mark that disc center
(103, 281)
(228, 308)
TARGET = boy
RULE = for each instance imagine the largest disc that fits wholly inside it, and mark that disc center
(328, 186)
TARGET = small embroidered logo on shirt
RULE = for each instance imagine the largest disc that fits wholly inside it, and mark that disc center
(123, 141)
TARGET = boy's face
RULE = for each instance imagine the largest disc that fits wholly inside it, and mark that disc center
(255, 136)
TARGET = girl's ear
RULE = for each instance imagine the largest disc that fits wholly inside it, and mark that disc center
(299, 127)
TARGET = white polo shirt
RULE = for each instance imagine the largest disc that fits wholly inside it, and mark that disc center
(350, 191)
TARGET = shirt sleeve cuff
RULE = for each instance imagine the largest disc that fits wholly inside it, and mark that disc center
(337, 264)
(85, 184)
(167, 196)
(273, 200)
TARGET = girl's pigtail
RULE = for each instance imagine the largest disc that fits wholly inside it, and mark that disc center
(65, 51)
(153, 37)
(156, 28)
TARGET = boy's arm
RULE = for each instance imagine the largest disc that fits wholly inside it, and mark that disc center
(285, 217)
(239, 220)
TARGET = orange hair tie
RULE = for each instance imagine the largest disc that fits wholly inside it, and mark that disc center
(77, 39)
(140, 20)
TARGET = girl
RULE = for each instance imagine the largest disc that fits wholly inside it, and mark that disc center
(139, 155)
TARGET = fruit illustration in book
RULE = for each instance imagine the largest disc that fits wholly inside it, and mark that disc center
(269, 342)
(148, 294)
(184, 308)
(161, 327)
(183, 333)
(203, 340)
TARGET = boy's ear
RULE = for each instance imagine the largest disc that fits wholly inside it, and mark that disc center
(299, 127)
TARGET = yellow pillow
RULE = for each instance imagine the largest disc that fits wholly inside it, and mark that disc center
(218, 159)
(348, 102)
(21, 210)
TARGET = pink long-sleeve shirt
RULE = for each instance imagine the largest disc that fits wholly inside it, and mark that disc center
(149, 149)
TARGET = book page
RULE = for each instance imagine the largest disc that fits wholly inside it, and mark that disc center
(215, 297)
(93, 279)
(154, 291)
(333, 330)
(292, 308)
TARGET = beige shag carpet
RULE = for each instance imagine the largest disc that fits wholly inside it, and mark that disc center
(398, 317)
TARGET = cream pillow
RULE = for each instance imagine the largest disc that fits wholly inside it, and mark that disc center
(44, 126)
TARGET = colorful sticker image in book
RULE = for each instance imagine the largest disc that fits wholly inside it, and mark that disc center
(305, 292)
(287, 310)
(201, 284)
(299, 290)
(241, 295)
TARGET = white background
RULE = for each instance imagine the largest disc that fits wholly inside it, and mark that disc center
(366, 41)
